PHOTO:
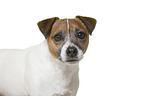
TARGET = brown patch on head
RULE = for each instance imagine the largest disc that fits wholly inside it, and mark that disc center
(90, 23)
(46, 25)
(56, 32)
(59, 28)
(77, 26)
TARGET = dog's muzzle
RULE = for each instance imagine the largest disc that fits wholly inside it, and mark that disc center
(70, 53)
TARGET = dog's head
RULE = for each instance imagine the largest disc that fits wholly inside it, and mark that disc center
(67, 38)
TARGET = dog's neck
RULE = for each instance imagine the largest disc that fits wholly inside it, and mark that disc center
(50, 69)
(47, 57)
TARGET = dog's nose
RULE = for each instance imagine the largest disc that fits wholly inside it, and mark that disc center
(71, 51)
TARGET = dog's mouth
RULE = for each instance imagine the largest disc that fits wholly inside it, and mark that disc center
(72, 61)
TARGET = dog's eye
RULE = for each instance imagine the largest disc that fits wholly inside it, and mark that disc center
(58, 37)
(81, 35)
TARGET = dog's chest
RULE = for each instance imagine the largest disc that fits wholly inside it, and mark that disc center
(59, 82)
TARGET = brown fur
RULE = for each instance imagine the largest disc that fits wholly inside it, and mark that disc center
(46, 25)
(76, 23)
(60, 25)
(90, 23)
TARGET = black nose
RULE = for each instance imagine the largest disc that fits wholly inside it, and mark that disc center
(71, 51)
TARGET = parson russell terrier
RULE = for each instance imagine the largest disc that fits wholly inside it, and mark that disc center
(50, 68)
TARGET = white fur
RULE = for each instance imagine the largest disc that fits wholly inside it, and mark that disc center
(68, 27)
(35, 72)
(64, 48)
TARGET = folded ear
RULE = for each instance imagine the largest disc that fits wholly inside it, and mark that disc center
(46, 25)
(90, 23)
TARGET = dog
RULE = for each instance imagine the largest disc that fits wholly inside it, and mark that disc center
(50, 68)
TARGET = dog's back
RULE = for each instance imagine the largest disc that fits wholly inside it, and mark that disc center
(16, 68)
(20, 67)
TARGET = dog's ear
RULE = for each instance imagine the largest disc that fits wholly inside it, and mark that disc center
(46, 25)
(90, 23)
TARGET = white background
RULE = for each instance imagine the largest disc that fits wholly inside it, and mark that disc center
(114, 64)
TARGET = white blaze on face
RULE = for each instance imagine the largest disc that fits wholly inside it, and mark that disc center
(68, 43)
